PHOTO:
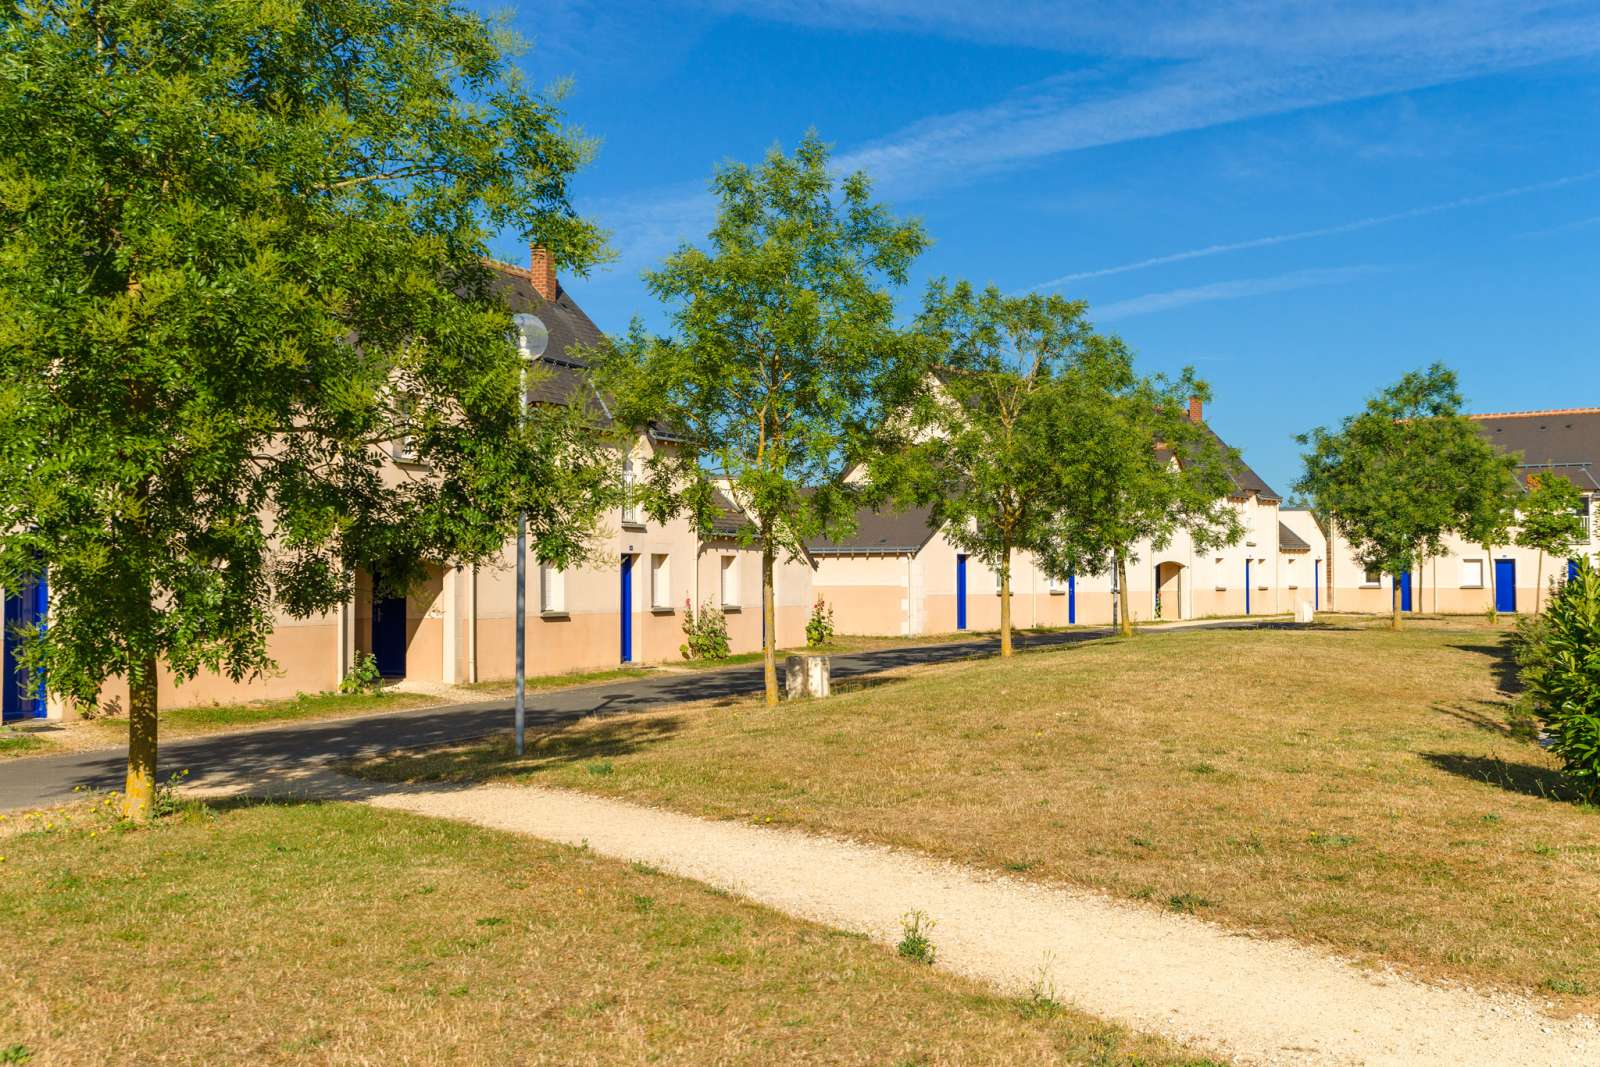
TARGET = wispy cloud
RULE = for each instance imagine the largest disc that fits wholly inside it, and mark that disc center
(1231, 290)
(1321, 231)
(1565, 227)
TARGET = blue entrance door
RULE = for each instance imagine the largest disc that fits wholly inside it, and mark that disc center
(1247, 587)
(626, 610)
(389, 635)
(1572, 569)
(1072, 599)
(1405, 591)
(1505, 585)
(1316, 585)
(25, 610)
(961, 592)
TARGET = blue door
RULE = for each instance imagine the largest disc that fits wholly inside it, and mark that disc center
(1572, 569)
(1505, 585)
(1405, 591)
(627, 609)
(25, 610)
(1072, 599)
(961, 592)
(1316, 585)
(389, 635)
(1247, 587)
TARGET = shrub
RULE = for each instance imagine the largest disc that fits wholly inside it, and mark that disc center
(363, 676)
(1558, 660)
(706, 634)
(819, 628)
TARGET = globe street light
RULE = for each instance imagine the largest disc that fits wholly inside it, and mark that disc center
(532, 339)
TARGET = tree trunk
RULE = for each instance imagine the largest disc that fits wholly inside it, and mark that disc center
(1538, 584)
(1494, 593)
(139, 794)
(1394, 602)
(1005, 603)
(769, 628)
(1122, 595)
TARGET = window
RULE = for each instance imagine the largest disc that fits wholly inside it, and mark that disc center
(1373, 577)
(552, 590)
(1222, 575)
(1472, 574)
(660, 582)
(404, 447)
(1056, 587)
(1290, 573)
(630, 507)
(730, 583)
(1261, 575)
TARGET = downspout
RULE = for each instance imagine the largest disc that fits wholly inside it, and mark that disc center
(472, 624)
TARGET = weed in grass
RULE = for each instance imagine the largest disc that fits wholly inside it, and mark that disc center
(1204, 768)
(1039, 1000)
(1021, 865)
(600, 768)
(1491, 817)
(643, 903)
(1542, 849)
(1332, 840)
(1570, 986)
(492, 920)
(167, 801)
(15, 1054)
(1187, 903)
(1141, 842)
(644, 868)
(915, 944)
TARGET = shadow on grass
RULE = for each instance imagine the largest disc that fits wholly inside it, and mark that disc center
(591, 741)
(1524, 778)
(1486, 715)
(1503, 662)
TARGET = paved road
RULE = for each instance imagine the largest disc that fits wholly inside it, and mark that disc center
(237, 759)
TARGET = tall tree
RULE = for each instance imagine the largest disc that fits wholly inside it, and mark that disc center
(1549, 520)
(1148, 470)
(242, 255)
(979, 450)
(1399, 476)
(786, 363)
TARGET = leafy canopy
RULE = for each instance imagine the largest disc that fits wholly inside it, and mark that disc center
(240, 253)
(1550, 516)
(1406, 471)
(785, 363)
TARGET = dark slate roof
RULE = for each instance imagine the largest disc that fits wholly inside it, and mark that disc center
(1289, 541)
(881, 532)
(1246, 482)
(1564, 442)
(562, 372)
(730, 521)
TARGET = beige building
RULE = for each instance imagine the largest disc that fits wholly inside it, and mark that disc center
(1468, 578)
(896, 575)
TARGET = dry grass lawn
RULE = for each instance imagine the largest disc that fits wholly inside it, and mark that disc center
(333, 933)
(1343, 785)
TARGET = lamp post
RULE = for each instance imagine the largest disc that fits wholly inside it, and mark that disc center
(532, 338)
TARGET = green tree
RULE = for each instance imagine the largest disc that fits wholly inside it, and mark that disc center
(1143, 470)
(979, 449)
(1490, 509)
(1558, 659)
(1399, 476)
(243, 256)
(786, 364)
(1549, 520)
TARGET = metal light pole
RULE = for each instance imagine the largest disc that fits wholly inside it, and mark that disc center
(532, 337)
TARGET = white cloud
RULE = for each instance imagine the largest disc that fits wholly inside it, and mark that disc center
(1229, 290)
(1321, 231)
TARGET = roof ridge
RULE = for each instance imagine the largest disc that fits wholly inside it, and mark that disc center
(1536, 414)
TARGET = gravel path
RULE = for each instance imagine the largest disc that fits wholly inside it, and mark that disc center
(1269, 1002)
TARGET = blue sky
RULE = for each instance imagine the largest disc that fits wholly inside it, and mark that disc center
(1302, 200)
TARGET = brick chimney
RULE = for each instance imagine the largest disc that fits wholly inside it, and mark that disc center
(543, 268)
(1194, 409)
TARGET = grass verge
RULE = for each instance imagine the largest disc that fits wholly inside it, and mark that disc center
(22, 743)
(214, 718)
(1343, 785)
(337, 933)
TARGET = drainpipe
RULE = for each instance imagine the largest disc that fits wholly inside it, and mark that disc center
(472, 624)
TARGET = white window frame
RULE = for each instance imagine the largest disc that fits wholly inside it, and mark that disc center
(1466, 565)
(1263, 582)
(660, 581)
(728, 581)
(552, 590)
(630, 507)
(1368, 581)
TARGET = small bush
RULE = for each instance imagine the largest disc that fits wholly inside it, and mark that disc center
(916, 945)
(819, 628)
(706, 634)
(363, 676)
(1558, 660)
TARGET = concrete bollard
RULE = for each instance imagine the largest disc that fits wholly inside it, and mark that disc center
(1303, 613)
(806, 676)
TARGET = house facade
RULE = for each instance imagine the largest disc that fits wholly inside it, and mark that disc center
(897, 575)
(1469, 578)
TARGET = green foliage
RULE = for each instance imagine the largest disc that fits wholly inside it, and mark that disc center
(785, 363)
(167, 799)
(1406, 471)
(363, 676)
(706, 633)
(1558, 656)
(202, 206)
(1550, 516)
(819, 628)
(915, 944)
